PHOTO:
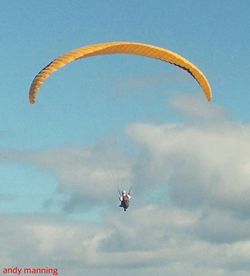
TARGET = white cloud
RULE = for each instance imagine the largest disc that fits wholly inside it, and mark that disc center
(202, 164)
(166, 241)
(195, 109)
(196, 224)
(89, 175)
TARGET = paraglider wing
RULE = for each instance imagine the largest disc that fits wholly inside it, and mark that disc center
(119, 48)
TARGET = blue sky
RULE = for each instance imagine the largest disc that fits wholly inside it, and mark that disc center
(194, 30)
(94, 119)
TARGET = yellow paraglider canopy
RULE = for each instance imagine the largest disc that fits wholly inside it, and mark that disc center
(120, 48)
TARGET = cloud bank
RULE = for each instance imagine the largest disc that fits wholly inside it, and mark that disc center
(189, 214)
